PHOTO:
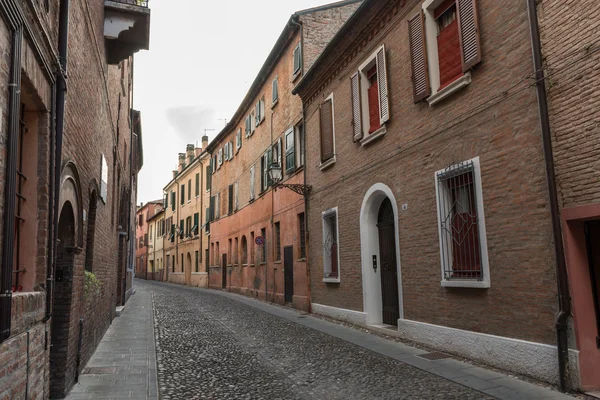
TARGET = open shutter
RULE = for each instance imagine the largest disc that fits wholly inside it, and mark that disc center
(252, 183)
(237, 195)
(384, 101)
(268, 161)
(418, 57)
(468, 32)
(279, 148)
(326, 130)
(356, 107)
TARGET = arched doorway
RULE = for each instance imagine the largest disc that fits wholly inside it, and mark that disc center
(387, 262)
(62, 371)
(380, 256)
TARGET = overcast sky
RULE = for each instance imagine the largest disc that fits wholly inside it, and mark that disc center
(203, 57)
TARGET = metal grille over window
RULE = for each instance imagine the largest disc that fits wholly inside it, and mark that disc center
(459, 223)
(277, 241)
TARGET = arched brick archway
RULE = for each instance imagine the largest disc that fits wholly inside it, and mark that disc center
(62, 350)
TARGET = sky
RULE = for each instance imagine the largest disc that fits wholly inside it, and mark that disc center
(203, 57)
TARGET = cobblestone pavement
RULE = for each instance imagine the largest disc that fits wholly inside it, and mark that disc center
(214, 347)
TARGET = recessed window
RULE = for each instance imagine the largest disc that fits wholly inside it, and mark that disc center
(275, 91)
(297, 59)
(244, 250)
(238, 140)
(290, 154)
(327, 132)
(331, 269)
(463, 248)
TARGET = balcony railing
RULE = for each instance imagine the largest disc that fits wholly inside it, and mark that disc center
(140, 3)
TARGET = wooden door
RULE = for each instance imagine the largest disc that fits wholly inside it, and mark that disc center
(389, 271)
(224, 271)
(592, 238)
(288, 275)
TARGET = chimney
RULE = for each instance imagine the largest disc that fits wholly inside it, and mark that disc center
(175, 172)
(181, 161)
(204, 141)
(197, 150)
(189, 150)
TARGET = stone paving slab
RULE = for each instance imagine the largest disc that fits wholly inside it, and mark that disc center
(129, 346)
(489, 382)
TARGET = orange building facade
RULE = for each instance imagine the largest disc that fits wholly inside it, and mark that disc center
(257, 233)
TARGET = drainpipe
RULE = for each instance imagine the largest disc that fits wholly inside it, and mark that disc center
(11, 185)
(564, 301)
(51, 200)
(130, 211)
(294, 21)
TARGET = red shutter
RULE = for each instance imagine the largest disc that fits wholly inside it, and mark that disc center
(384, 101)
(468, 25)
(418, 57)
(356, 108)
(326, 130)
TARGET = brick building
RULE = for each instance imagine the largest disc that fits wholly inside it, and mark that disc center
(67, 183)
(186, 199)
(429, 210)
(570, 47)
(266, 129)
(156, 267)
(144, 214)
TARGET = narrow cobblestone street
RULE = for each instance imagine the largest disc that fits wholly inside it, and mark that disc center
(214, 345)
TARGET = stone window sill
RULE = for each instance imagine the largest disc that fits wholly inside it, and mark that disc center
(331, 280)
(303, 259)
(275, 103)
(327, 164)
(277, 262)
(374, 136)
(199, 273)
(455, 86)
(466, 284)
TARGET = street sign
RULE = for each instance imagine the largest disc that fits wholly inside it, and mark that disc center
(259, 240)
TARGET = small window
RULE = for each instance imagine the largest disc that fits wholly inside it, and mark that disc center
(220, 158)
(238, 140)
(197, 184)
(253, 121)
(302, 236)
(218, 206)
(182, 199)
(166, 201)
(275, 90)
(196, 222)
(208, 178)
(244, 250)
(299, 138)
(277, 241)
(297, 59)
(463, 244)
(331, 270)
(252, 180)
(248, 124)
(230, 200)
(173, 200)
(260, 111)
(290, 154)
(327, 131)
(226, 151)
(189, 189)
(237, 197)
(265, 165)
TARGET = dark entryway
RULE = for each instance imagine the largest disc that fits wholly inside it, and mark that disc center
(288, 273)
(389, 270)
(224, 271)
(592, 239)
(62, 362)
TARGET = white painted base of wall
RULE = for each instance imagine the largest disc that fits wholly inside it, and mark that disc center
(536, 360)
(354, 317)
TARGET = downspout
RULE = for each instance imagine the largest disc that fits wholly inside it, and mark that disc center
(11, 185)
(131, 213)
(294, 21)
(51, 201)
(564, 301)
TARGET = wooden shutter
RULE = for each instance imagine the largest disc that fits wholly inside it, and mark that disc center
(418, 57)
(230, 200)
(237, 195)
(252, 183)
(326, 130)
(468, 32)
(384, 101)
(356, 106)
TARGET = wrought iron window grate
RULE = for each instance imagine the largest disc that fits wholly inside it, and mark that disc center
(459, 223)
(140, 3)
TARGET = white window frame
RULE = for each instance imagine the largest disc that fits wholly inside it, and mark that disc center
(365, 117)
(252, 182)
(252, 121)
(275, 91)
(219, 158)
(485, 266)
(298, 70)
(332, 160)
(433, 62)
(324, 215)
(238, 140)
(260, 111)
(226, 151)
(288, 151)
(299, 145)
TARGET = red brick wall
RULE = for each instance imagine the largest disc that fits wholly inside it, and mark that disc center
(568, 29)
(421, 140)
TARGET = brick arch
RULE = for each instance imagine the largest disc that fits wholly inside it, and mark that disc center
(70, 191)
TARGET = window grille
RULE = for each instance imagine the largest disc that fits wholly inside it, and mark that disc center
(459, 223)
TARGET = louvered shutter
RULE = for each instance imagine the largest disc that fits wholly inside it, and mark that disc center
(237, 195)
(418, 57)
(326, 130)
(468, 32)
(279, 147)
(252, 183)
(356, 107)
(230, 200)
(384, 101)
(268, 161)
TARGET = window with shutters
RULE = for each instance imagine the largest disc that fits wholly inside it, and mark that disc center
(181, 228)
(218, 206)
(182, 197)
(196, 222)
(265, 166)
(275, 91)
(173, 200)
(297, 60)
(331, 251)
(208, 178)
(299, 144)
(226, 152)
(166, 201)
(370, 98)
(248, 126)
(277, 241)
(230, 200)
(276, 153)
(252, 180)
(197, 184)
(327, 127)
(238, 140)
(461, 225)
(220, 158)
(236, 190)
(189, 190)
(302, 236)
(259, 111)
(290, 154)
(444, 47)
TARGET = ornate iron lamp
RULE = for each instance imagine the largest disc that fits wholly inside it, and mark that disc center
(276, 175)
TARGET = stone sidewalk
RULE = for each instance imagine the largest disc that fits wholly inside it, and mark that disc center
(124, 364)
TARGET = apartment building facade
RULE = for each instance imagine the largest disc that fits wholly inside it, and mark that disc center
(185, 215)
(257, 242)
(143, 232)
(67, 171)
(156, 270)
(429, 211)
(570, 53)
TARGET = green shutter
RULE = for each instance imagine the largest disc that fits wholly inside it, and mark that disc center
(197, 185)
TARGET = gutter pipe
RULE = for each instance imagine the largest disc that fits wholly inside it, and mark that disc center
(564, 301)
